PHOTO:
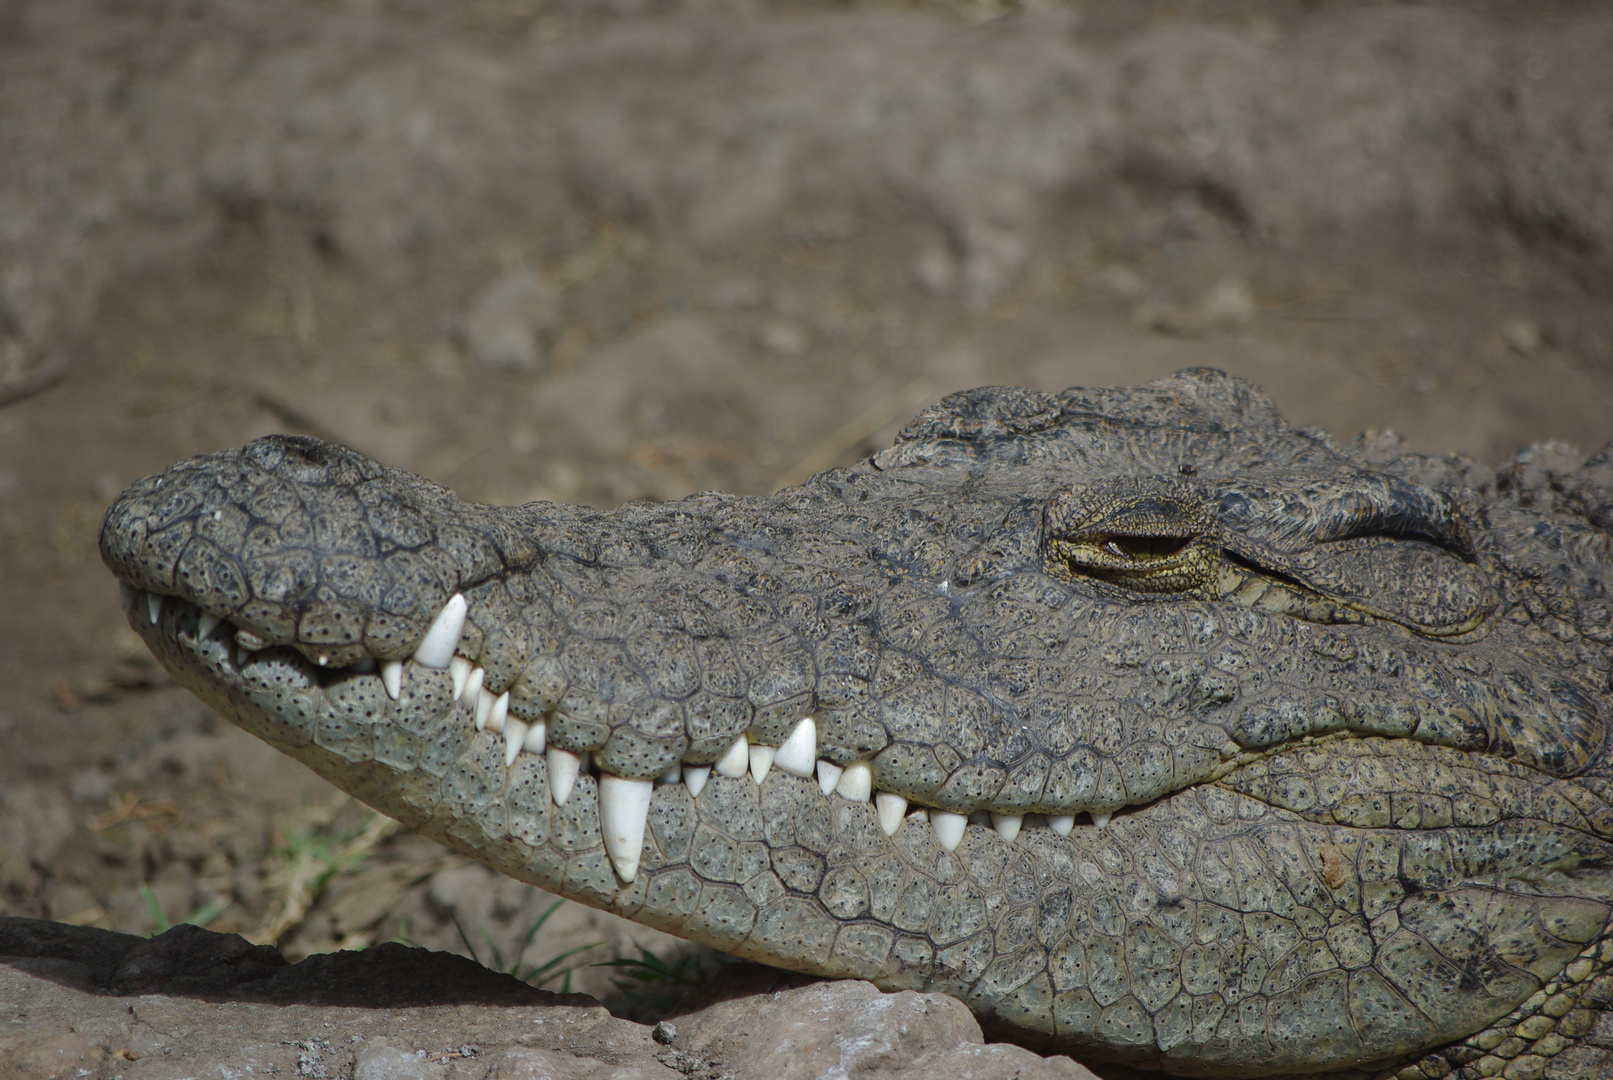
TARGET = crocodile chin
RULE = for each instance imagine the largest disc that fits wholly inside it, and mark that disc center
(1142, 722)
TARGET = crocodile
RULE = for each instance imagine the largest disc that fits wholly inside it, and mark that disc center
(1152, 727)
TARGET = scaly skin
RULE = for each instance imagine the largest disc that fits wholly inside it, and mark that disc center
(1350, 719)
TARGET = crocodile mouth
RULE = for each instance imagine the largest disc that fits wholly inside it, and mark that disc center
(231, 666)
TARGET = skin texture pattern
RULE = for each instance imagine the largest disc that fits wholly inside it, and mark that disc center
(1151, 727)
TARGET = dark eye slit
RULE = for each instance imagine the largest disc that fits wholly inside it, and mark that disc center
(1143, 548)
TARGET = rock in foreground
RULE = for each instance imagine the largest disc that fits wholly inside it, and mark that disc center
(86, 1003)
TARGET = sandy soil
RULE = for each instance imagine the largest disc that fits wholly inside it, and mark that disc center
(603, 251)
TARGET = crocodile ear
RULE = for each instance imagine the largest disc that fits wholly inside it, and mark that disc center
(1416, 584)
(1378, 544)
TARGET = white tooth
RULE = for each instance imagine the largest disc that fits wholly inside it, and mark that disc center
(563, 766)
(473, 687)
(1063, 824)
(242, 656)
(459, 671)
(761, 760)
(892, 809)
(919, 813)
(1007, 825)
(800, 750)
(695, 777)
(501, 713)
(392, 678)
(537, 737)
(736, 759)
(324, 661)
(624, 806)
(207, 624)
(857, 782)
(514, 740)
(484, 709)
(437, 647)
(154, 607)
(672, 775)
(948, 828)
(1100, 820)
(828, 776)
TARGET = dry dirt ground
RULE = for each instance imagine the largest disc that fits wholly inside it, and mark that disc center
(598, 250)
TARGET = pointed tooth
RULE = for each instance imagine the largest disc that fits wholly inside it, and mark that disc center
(892, 809)
(473, 687)
(392, 677)
(799, 752)
(563, 766)
(624, 806)
(1101, 820)
(442, 637)
(206, 624)
(761, 760)
(514, 740)
(857, 782)
(919, 813)
(501, 712)
(948, 828)
(673, 775)
(537, 737)
(484, 710)
(695, 777)
(736, 759)
(1007, 825)
(1063, 824)
(154, 607)
(828, 776)
(459, 671)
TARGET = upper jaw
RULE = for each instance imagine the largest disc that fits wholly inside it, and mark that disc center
(207, 654)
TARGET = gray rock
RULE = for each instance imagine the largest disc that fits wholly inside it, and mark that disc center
(81, 1002)
(788, 1027)
(509, 321)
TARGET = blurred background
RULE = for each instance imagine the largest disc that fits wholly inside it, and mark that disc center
(598, 250)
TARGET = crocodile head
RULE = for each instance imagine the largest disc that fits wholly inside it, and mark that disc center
(1148, 725)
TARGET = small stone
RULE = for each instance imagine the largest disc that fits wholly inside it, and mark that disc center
(664, 1032)
(936, 272)
(782, 338)
(507, 322)
(1522, 336)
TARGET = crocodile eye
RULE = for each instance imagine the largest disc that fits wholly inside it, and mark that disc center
(1143, 548)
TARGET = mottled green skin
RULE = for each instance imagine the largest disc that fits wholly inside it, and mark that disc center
(1366, 793)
